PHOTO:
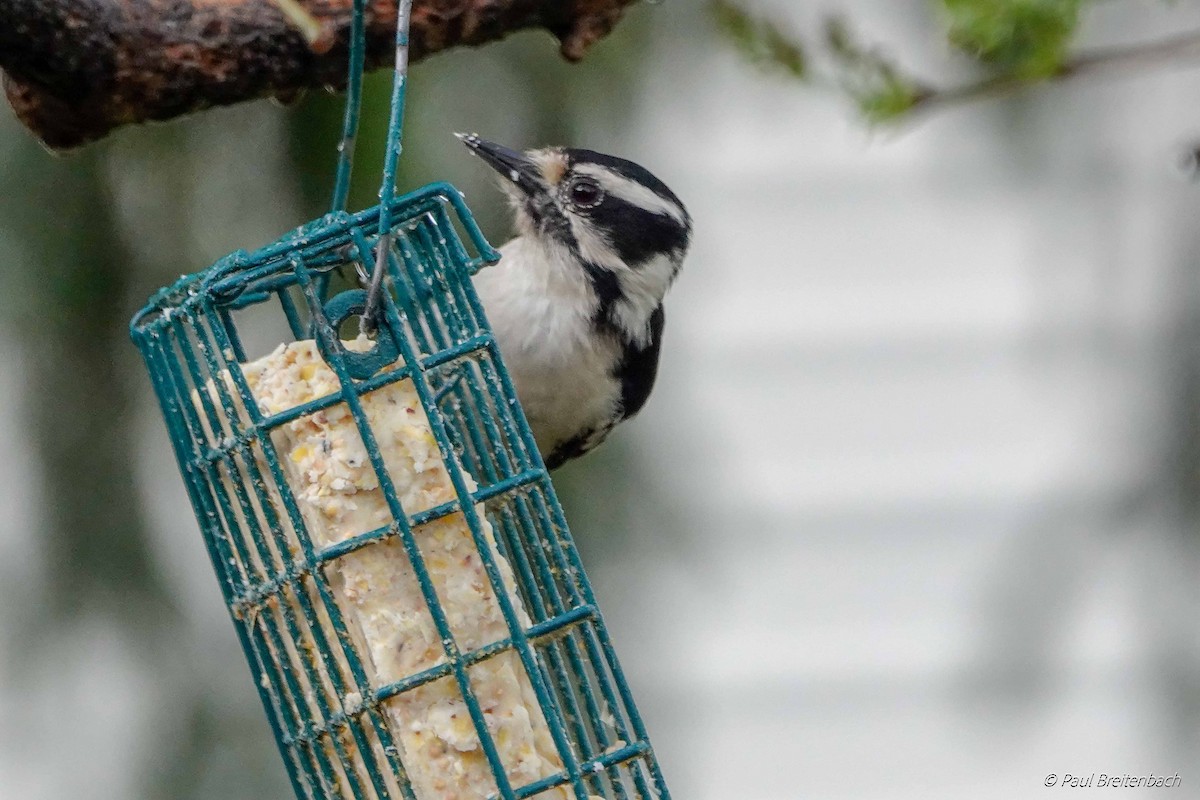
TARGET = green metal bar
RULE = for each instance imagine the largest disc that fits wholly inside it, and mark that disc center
(549, 706)
(474, 426)
(440, 266)
(499, 384)
(441, 510)
(446, 259)
(391, 159)
(345, 165)
(501, 408)
(166, 380)
(235, 341)
(258, 290)
(253, 597)
(614, 758)
(193, 403)
(348, 392)
(597, 644)
(279, 672)
(556, 664)
(349, 653)
(271, 704)
(173, 383)
(409, 296)
(387, 189)
(550, 627)
(250, 523)
(450, 255)
(268, 551)
(550, 530)
(274, 421)
(324, 236)
(293, 315)
(426, 283)
(406, 535)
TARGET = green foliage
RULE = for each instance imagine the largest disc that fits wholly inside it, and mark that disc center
(760, 41)
(878, 87)
(1017, 42)
(1026, 38)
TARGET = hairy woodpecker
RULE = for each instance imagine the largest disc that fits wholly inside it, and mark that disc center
(576, 300)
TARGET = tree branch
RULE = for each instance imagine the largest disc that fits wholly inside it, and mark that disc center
(74, 70)
(1184, 47)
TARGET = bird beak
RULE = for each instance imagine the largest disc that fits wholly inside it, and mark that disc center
(511, 164)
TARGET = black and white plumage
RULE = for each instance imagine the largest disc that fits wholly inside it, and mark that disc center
(576, 300)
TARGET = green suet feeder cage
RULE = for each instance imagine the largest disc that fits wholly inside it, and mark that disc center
(536, 708)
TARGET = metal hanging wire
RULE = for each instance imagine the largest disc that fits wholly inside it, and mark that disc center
(345, 163)
(373, 283)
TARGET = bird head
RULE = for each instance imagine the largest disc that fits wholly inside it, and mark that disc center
(622, 225)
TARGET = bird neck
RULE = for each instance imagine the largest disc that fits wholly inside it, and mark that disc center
(638, 295)
(611, 295)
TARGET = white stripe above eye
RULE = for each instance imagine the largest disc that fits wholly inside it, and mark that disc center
(632, 192)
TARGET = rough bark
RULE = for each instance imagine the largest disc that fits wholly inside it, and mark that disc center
(76, 69)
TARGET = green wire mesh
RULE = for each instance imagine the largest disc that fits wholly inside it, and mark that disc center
(419, 251)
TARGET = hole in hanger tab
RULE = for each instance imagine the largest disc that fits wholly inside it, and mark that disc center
(344, 308)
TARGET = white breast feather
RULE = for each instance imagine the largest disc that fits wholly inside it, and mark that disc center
(540, 307)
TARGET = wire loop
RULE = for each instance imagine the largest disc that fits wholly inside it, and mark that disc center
(375, 286)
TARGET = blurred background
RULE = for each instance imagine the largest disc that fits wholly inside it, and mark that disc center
(912, 513)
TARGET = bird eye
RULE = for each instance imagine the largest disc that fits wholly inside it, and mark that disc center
(586, 193)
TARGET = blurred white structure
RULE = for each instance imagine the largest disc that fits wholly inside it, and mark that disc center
(922, 397)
